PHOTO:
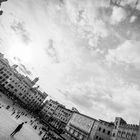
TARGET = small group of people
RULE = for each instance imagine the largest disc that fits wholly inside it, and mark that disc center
(18, 113)
(18, 128)
(32, 121)
(50, 136)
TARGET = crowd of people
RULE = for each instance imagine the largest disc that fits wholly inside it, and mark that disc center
(19, 113)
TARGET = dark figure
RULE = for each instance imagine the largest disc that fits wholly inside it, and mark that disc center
(16, 116)
(17, 129)
(1, 12)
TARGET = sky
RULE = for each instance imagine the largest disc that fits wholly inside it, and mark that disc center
(86, 53)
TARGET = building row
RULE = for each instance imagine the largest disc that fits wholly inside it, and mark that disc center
(73, 125)
(81, 127)
(20, 86)
(69, 123)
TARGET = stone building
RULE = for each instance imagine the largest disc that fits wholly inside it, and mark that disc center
(48, 109)
(104, 130)
(60, 118)
(124, 131)
(20, 86)
(34, 98)
(81, 127)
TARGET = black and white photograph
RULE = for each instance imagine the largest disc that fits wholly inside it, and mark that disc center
(69, 69)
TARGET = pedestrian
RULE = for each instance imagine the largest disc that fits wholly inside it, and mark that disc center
(17, 129)
(16, 116)
(13, 113)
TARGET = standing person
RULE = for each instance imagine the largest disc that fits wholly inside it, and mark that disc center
(17, 129)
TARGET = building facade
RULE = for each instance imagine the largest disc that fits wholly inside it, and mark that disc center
(48, 109)
(124, 131)
(60, 118)
(34, 98)
(104, 130)
(81, 127)
(20, 86)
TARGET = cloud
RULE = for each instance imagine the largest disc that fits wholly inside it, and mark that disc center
(83, 16)
(19, 29)
(72, 46)
(52, 52)
(118, 15)
(128, 52)
(133, 19)
(112, 100)
(24, 70)
(21, 67)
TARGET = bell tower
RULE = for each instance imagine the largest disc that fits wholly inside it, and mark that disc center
(35, 80)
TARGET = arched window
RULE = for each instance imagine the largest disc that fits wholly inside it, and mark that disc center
(99, 128)
(113, 134)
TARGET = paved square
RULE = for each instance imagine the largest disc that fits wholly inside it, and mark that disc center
(8, 123)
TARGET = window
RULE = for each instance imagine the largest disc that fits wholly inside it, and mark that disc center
(15, 90)
(103, 130)
(6, 77)
(6, 82)
(99, 128)
(108, 132)
(71, 131)
(81, 137)
(123, 134)
(96, 137)
(113, 134)
(76, 133)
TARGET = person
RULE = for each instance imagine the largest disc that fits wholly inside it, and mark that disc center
(17, 129)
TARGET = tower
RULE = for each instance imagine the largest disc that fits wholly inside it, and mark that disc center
(1, 55)
(138, 134)
(35, 80)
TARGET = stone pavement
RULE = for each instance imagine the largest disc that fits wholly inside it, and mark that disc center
(8, 123)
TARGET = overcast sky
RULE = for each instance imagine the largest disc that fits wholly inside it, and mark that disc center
(85, 52)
